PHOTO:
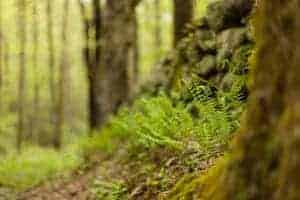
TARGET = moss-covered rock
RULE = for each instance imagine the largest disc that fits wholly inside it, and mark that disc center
(228, 13)
(206, 39)
(207, 66)
(229, 40)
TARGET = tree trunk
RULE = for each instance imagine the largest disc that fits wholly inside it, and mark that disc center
(107, 70)
(158, 30)
(133, 56)
(119, 18)
(183, 14)
(6, 63)
(64, 62)
(95, 71)
(36, 87)
(51, 60)
(92, 57)
(1, 51)
(1, 58)
(22, 70)
(266, 156)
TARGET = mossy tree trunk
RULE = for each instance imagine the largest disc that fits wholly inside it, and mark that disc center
(183, 14)
(265, 161)
(92, 57)
(118, 41)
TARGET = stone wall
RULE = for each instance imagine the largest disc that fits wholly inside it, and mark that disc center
(216, 49)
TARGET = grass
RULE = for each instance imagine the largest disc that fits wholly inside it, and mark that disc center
(35, 165)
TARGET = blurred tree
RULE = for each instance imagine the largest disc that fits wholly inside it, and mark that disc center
(64, 62)
(34, 126)
(1, 50)
(158, 31)
(92, 54)
(22, 70)
(183, 14)
(133, 54)
(51, 60)
(118, 39)
(1, 57)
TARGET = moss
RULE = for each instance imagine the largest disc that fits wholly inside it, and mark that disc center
(265, 159)
(203, 186)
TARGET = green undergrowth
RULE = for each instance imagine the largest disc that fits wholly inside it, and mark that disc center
(200, 113)
(192, 126)
(34, 165)
(172, 135)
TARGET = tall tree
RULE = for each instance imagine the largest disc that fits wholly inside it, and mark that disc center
(51, 59)
(1, 49)
(1, 55)
(183, 14)
(133, 54)
(119, 18)
(158, 30)
(36, 89)
(92, 57)
(22, 69)
(6, 59)
(60, 107)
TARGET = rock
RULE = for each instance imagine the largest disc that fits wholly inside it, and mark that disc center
(232, 38)
(228, 13)
(227, 83)
(239, 9)
(222, 58)
(228, 41)
(216, 16)
(207, 66)
(206, 40)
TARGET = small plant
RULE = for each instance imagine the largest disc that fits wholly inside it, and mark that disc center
(114, 190)
(153, 122)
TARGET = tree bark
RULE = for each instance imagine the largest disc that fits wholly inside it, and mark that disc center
(51, 60)
(92, 57)
(1, 58)
(266, 156)
(183, 14)
(64, 62)
(1, 52)
(117, 42)
(36, 87)
(133, 56)
(158, 30)
(22, 70)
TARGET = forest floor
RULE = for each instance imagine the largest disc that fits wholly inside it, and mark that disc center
(75, 187)
(148, 176)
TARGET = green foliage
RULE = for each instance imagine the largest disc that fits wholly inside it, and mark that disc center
(158, 121)
(109, 190)
(153, 122)
(199, 90)
(35, 165)
(214, 125)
